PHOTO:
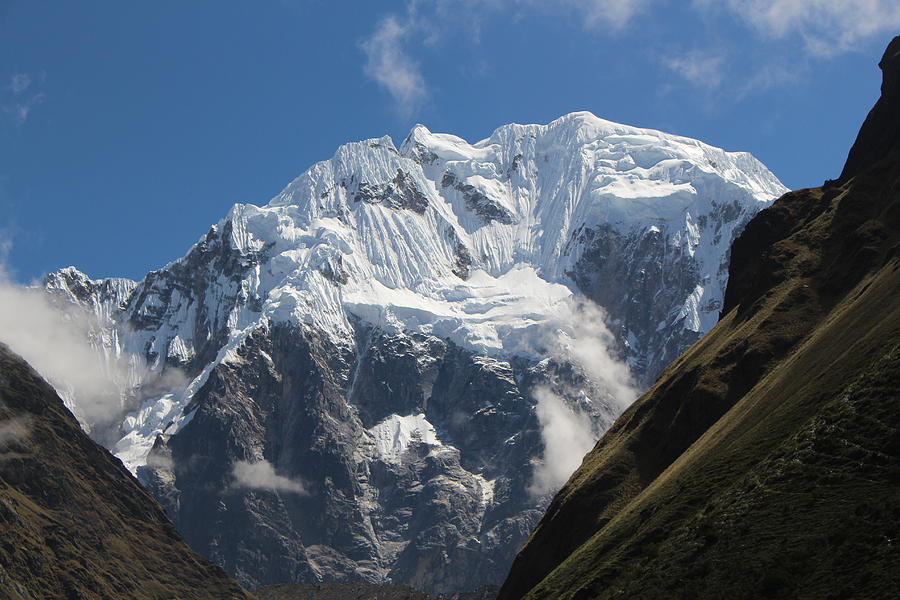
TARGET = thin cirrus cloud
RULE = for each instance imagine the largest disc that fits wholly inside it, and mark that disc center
(390, 65)
(608, 13)
(20, 97)
(827, 27)
(703, 69)
(392, 68)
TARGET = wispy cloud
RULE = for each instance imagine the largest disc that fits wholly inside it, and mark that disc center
(5, 249)
(827, 27)
(14, 431)
(768, 76)
(262, 475)
(388, 63)
(578, 337)
(703, 69)
(21, 97)
(616, 14)
(56, 343)
(19, 83)
(821, 28)
(567, 435)
(389, 59)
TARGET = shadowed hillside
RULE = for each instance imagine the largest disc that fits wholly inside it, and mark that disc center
(765, 461)
(74, 523)
(361, 591)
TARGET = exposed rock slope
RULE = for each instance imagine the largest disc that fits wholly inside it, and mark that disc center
(73, 522)
(765, 461)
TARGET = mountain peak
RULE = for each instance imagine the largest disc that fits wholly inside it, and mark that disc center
(880, 132)
(387, 293)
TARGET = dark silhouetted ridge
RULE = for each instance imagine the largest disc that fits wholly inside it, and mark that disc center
(880, 132)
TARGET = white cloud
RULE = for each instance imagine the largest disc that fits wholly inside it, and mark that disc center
(159, 461)
(14, 431)
(56, 344)
(827, 26)
(599, 15)
(262, 475)
(616, 14)
(567, 435)
(702, 69)
(390, 64)
(579, 337)
(391, 67)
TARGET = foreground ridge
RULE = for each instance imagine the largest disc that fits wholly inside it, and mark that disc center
(74, 522)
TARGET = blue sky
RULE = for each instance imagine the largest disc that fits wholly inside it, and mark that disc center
(128, 128)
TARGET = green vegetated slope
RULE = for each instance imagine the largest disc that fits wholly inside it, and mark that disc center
(765, 461)
(74, 524)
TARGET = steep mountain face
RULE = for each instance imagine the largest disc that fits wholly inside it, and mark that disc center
(73, 522)
(343, 383)
(765, 461)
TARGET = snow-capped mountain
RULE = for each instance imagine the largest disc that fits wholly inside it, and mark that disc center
(343, 378)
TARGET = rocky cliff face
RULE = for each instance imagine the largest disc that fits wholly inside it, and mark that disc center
(764, 462)
(343, 383)
(73, 522)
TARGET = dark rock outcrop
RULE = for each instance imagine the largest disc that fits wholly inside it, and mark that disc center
(880, 133)
(400, 193)
(445, 514)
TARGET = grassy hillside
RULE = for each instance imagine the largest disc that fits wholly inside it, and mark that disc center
(765, 460)
(74, 524)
